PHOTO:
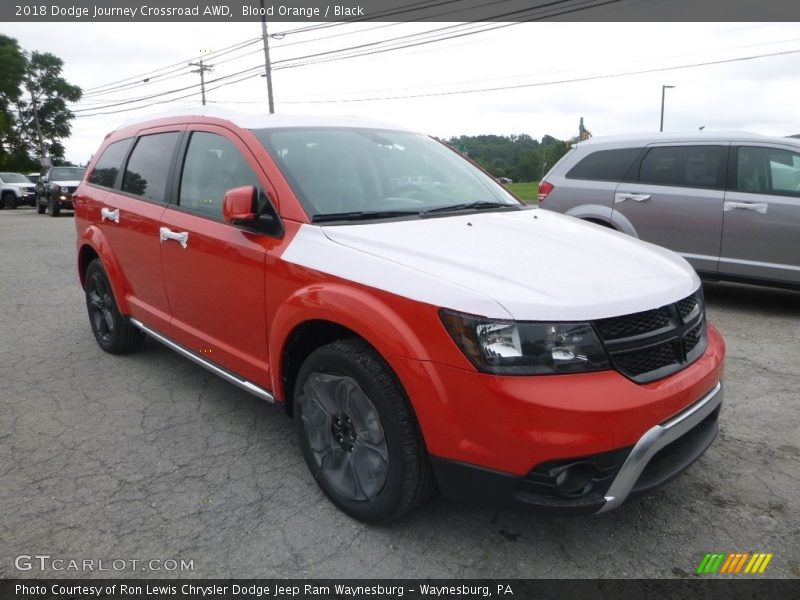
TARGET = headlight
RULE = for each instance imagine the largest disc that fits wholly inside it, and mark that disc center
(526, 347)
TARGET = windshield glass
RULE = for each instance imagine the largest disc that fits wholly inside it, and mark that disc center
(14, 178)
(356, 173)
(67, 173)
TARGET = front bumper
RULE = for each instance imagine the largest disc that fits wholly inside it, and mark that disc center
(662, 453)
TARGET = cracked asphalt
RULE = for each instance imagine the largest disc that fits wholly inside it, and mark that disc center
(148, 456)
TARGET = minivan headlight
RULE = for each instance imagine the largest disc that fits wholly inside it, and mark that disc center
(526, 347)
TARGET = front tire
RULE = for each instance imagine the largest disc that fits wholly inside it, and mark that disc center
(40, 207)
(358, 434)
(54, 207)
(9, 200)
(111, 330)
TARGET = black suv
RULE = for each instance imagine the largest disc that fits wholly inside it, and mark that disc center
(55, 187)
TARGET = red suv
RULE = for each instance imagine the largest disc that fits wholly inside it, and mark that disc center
(422, 325)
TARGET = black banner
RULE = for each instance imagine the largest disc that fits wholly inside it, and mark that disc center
(397, 10)
(466, 589)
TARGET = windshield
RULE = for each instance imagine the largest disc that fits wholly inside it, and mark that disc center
(14, 178)
(367, 173)
(67, 173)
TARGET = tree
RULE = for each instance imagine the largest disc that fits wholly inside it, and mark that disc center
(42, 114)
(12, 71)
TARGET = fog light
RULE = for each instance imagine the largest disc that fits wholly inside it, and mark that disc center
(576, 479)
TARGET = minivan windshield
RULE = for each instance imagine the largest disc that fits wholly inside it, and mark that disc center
(351, 174)
(67, 173)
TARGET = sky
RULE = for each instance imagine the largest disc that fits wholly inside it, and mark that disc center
(620, 69)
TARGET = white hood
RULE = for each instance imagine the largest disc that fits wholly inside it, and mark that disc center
(524, 265)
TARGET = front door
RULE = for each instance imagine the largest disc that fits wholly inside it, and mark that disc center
(761, 231)
(214, 271)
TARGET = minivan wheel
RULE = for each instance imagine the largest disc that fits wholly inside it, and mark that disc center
(54, 207)
(111, 330)
(358, 434)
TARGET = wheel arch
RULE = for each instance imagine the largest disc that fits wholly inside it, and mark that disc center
(314, 317)
(93, 244)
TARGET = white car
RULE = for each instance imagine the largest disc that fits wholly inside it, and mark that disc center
(16, 189)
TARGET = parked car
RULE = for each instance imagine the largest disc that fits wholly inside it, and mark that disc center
(15, 189)
(729, 203)
(443, 333)
(34, 177)
(55, 187)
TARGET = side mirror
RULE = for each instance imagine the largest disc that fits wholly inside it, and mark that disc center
(239, 205)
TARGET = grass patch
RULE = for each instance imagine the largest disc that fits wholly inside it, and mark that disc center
(528, 191)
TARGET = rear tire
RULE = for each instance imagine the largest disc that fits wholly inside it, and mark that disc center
(358, 433)
(111, 330)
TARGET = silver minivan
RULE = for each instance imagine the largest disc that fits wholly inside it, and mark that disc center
(729, 203)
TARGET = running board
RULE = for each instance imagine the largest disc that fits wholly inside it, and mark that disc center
(217, 370)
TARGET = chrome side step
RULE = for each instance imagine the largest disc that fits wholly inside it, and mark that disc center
(244, 384)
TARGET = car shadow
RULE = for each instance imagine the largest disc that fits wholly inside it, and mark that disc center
(752, 298)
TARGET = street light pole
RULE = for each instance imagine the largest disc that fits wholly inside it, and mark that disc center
(663, 89)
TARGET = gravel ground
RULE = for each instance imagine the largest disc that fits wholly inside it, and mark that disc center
(148, 456)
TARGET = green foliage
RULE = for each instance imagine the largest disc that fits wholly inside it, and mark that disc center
(34, 115)
(529, 192)
(518, 157)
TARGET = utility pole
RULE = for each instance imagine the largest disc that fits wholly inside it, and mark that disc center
(201, 69)
(267, 63)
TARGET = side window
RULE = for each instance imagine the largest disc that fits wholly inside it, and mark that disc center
(108, 165)
(605, 165)
(684, 166)
(768, 171)
(148, 166)
(212, 166)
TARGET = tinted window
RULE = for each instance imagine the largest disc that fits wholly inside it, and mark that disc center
(605, 165)
(108, 165)
(768, 171)
(148, 166)
(685, 166)
(212, 166)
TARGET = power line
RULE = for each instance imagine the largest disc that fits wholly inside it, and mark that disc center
(546, 83)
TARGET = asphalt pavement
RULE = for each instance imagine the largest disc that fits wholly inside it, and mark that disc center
(150, 461)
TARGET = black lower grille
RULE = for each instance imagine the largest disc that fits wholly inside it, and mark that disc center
(652, 344)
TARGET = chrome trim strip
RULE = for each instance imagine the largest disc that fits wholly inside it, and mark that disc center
(654, 440)
(225, 374)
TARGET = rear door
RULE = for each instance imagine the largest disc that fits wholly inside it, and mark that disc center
(130, 216)
(214, 271)
(761, 230)
(675, 198)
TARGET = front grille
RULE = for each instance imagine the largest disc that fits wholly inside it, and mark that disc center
(652, 344)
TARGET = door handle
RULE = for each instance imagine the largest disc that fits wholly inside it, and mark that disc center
(167, 234)
(760, 207)
(111, 215)
(621, 197)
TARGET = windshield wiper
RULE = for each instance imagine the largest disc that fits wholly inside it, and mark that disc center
(468, 206)
(361, 215)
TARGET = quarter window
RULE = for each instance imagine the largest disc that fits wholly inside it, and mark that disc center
(684, 166)
(768, 171)
(213, 165)
(148, 166)
(108, 165)
(605, 165)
